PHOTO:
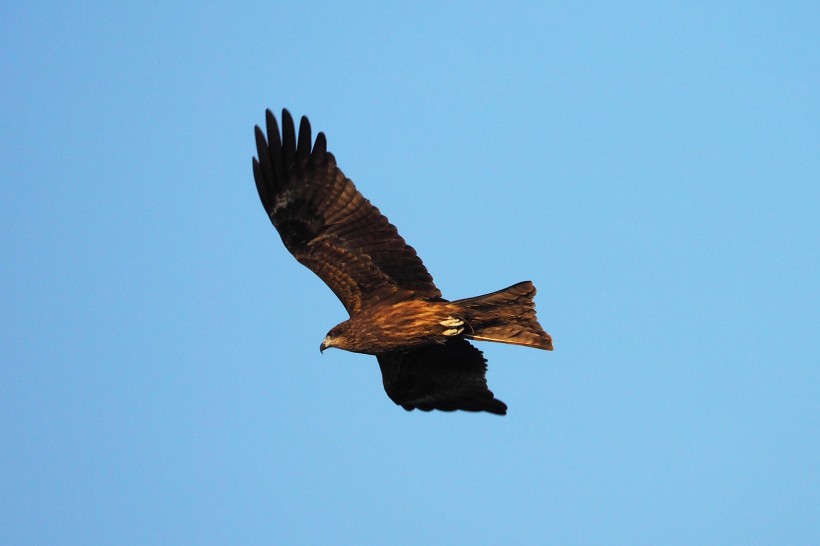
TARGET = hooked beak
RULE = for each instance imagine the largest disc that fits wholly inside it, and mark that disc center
(325, 344)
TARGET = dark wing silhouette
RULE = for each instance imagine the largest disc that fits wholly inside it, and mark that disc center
(448, 376)
(327, 224)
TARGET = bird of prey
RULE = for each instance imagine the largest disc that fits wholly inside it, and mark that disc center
(396, 312)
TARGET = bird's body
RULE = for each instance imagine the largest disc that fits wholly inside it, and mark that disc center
(391, 326)
(396, 311)
(415, 322)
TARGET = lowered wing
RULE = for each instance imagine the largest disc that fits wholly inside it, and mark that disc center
(448, 376)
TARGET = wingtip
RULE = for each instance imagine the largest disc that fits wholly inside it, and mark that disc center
(303, 146)
(286, 117)
(319, 148)
(260, 135)
(492, 405)
(288, 136)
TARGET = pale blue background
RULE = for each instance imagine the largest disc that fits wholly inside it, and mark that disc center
(652, 167)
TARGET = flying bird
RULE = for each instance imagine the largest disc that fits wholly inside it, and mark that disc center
(396, 311)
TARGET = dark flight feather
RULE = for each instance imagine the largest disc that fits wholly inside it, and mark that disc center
(328, 225)
(448, 377)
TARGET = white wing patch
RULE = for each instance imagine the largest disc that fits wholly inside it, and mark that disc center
(453, 326)
(281, 201)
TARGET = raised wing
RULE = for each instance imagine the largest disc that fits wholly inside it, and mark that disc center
(327, 224)
(448, 377)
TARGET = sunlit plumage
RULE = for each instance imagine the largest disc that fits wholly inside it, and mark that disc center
(396, 311)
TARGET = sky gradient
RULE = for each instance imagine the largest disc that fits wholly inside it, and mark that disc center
(653, 169)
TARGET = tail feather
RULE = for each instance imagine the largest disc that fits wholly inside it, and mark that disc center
(506, 316)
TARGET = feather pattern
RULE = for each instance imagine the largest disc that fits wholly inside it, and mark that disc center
(328, 225)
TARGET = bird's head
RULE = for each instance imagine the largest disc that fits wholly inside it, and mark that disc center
(328, 342)
(336, 337)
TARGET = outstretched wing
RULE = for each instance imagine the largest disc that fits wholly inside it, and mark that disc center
(327, 224)
(449, 376)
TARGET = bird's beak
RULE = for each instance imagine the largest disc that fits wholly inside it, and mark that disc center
(325, 344)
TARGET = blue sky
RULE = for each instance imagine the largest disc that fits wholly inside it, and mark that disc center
(653, 168)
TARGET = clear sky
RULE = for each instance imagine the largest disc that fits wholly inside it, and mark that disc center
(652, 167)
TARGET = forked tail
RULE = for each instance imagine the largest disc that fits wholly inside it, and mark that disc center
(506, 316)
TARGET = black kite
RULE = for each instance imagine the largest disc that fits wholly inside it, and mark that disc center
(396, 311)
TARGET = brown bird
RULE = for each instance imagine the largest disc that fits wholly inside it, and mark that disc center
(396, 311)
